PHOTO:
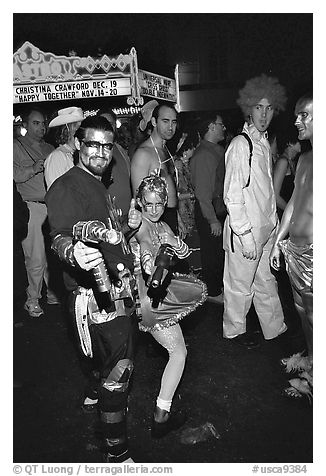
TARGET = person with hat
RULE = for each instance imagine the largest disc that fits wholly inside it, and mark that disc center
(29, 153)
(59, 161)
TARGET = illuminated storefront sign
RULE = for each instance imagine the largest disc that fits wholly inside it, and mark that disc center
(40, 76)
(72, 90)
(157, 86)
(126, 111)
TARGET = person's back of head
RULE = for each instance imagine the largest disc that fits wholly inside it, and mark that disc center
(110, 115)
(64, 124)
(62, 134)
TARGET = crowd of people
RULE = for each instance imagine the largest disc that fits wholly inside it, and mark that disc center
(117, 206)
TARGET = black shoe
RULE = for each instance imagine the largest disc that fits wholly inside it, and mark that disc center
(123, 458)
(248, 340)
(174, 422)
(89, 408)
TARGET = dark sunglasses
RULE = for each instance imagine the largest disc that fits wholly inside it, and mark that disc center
(97, 145)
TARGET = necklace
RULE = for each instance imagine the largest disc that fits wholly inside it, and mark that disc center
(166, 160)
(155, 228)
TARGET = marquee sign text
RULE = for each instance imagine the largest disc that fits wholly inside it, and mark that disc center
(157, 86)
(72, 90)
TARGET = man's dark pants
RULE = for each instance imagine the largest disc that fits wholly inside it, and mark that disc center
(113, 345)
(211, 253)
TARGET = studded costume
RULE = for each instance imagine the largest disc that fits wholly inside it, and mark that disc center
(110, 334)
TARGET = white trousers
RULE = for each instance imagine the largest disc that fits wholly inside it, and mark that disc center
(247, 281)
(34, 251)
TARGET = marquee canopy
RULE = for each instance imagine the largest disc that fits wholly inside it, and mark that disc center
(43, 77)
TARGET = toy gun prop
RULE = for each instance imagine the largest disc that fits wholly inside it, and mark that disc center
(114, 221)
(163, 261)
(94, 232)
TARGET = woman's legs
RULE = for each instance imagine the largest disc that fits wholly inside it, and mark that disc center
(171, 339)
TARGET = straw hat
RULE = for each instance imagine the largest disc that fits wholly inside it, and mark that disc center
(67, 115)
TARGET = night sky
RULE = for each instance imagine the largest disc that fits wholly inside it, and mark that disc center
(241, 45)
(229, 47)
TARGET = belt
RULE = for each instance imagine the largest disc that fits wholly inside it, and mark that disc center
(35, 201)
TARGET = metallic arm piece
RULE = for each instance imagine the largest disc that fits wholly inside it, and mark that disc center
(95, 231)
(63, 246)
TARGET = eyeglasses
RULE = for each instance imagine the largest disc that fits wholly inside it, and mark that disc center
(92, 144)
(153, 206)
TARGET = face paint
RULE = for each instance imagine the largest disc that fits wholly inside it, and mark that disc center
(304, 119)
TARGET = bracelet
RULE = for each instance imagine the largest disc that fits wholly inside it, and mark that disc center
(245, 232)
(182, 250)
(146, 256)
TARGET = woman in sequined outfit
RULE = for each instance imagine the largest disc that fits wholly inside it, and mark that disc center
(182, 295)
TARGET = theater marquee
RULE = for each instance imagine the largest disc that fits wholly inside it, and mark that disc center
(42, 77)
(72, 90)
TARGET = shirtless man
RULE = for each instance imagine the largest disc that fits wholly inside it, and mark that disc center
(297, 222)
(154, 156)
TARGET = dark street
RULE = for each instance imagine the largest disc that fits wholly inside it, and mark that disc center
(204, 68)
(239, 391)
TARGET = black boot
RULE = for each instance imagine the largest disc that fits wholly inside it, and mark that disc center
(173, 422)
(249, 340)
(121, 458)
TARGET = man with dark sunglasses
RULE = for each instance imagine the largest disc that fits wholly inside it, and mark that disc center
(105, 318)
(117, 176)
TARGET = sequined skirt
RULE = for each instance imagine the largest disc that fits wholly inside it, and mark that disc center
(183, 295)
(299, 264)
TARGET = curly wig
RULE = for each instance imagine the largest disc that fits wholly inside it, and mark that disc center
(261, 87)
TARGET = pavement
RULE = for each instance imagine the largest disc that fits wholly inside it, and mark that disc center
(237, 391)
